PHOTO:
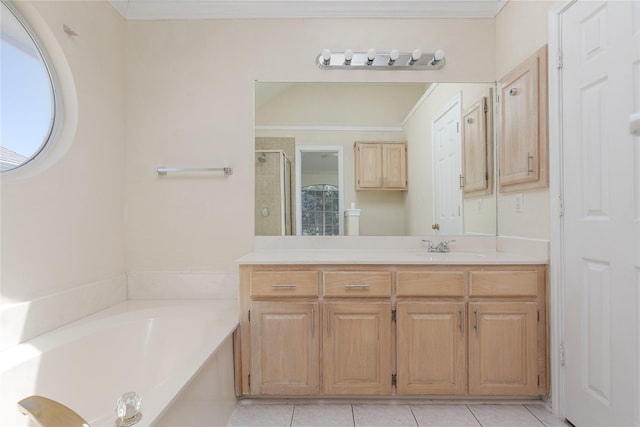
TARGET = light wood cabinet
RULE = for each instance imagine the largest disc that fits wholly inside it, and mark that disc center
(357, 284)
(476, 160)
(502, 348)
(357, 348)
(431, 348)
(392, 329)
(381, 166)
(507, 332)
(524, 125)
(284, 337)
(285, 344)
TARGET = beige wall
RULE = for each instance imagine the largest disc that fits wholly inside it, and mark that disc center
(522, 28)
(63, 226)
(188, 107)
(158, 94)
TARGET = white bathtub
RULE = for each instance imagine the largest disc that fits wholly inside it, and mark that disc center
(151, 347)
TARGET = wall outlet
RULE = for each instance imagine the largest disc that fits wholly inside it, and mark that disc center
(519, 202)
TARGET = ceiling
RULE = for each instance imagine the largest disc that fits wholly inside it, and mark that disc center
(275, 9)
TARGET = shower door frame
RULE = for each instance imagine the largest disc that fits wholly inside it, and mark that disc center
(282, 160)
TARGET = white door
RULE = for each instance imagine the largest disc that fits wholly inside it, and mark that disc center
(447, 196)
(600, 89)
(319, 165)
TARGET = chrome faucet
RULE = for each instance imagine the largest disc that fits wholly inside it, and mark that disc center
(443, 246)
(49, 413)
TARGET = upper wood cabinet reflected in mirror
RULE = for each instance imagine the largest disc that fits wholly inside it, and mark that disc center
(428, 117)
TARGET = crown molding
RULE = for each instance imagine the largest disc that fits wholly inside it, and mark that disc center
(310, 9)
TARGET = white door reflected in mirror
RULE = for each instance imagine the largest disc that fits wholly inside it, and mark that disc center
(319, 191)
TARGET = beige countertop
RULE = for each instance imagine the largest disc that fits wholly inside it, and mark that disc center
(376, 256)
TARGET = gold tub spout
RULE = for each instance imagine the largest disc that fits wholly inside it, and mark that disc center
(49, 413)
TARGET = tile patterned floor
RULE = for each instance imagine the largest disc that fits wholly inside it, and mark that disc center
(392, 414)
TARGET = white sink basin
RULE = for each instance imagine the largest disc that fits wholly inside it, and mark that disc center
(438, 256)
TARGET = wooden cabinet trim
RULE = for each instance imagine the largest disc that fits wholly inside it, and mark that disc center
(431, 284)
(357, 284)
(503, 284)
(277, 284)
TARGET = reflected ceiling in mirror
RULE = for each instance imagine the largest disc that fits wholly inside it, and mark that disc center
(427, 117)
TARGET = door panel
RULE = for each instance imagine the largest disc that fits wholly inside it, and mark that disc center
(474, 141)
(431, 348)
(447, 170)
(394, 166)
(369, 173)
(519, 105)
(285, 348)
(357, 348)
(600, 238)
(502, 348)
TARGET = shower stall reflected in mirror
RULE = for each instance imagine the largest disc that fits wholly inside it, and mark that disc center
(273, 193)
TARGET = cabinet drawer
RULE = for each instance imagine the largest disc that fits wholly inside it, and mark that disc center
(503, 284)
(284, 284)
(431, 284)
(357, 284)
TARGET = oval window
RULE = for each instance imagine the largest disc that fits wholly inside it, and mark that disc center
(27, 98)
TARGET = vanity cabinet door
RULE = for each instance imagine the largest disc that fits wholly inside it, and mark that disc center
(503, 348)
(285, 348)
(523, 125)
(431, 348)
(357, 348)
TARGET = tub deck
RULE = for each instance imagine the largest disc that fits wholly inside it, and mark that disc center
(152, 347)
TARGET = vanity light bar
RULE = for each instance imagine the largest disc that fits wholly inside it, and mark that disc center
(371, 60)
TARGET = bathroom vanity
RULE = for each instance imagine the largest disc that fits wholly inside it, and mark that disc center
(410, 323)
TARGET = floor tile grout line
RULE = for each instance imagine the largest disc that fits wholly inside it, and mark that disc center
(353, 416)
(474, 416)
(414, 415)
(293, 411)
(540, 417)
(537, 418)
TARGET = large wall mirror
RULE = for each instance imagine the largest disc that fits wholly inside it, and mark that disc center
(306, 162)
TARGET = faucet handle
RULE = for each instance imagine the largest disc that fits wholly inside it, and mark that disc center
(128, 409)
(429, 244)
(445, 244)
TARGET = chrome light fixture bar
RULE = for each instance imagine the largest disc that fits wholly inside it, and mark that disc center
(372, 60)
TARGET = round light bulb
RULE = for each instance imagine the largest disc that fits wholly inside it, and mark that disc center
(371, 54)
(326, 55)
(394, 54)
(438, 55)
(416, 54)
(348, 55)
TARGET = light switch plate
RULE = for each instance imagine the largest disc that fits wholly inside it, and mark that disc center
(519, 202)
